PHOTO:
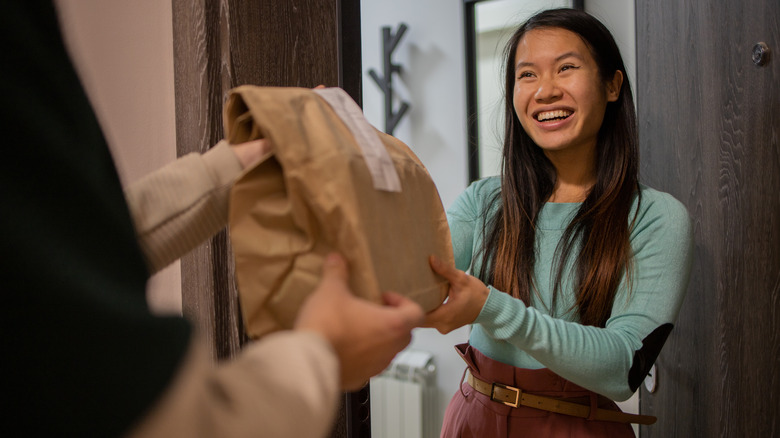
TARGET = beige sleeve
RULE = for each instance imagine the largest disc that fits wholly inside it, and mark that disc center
(176, 208)
(285, 385)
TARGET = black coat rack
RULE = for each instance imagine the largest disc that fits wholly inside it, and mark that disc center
(389, 43)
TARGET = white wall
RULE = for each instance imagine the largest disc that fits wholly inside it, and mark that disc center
(123, 53)
(432, 56)
(620, 18)
(433, 81)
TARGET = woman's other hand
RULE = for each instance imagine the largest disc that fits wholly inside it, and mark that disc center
(465, 299)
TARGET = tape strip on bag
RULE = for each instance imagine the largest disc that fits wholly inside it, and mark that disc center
(379, 163)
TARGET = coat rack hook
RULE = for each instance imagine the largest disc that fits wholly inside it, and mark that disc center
(390, 41)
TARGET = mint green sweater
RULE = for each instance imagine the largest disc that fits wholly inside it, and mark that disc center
(612, 360)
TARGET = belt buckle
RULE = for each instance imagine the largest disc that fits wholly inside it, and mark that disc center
(517, 392)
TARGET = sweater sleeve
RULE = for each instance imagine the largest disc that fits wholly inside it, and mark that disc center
(612, 360)
(465, 222)
(266, 391)
(177, 207)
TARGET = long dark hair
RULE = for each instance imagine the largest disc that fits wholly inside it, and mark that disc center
(601, 226)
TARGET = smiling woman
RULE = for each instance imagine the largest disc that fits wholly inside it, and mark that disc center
(580, 271)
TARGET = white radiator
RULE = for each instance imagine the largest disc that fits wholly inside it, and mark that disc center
(403, 398)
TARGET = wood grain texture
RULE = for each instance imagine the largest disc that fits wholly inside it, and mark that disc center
(197, 128)
(709, 122)
(306, 29)
(218, 45)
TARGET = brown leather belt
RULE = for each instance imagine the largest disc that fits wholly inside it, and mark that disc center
(515, 397)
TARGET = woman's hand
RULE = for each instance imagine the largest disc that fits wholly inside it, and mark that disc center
(466, 297)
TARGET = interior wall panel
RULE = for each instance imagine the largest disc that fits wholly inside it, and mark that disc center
(709, 134)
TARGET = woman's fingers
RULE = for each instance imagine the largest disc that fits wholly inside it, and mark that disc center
(438, 319)
(447, 271)
(466, 297)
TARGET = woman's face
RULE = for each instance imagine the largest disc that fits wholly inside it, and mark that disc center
(559, 97)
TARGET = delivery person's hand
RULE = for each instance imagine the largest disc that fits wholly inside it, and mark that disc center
(366, 336)
(251, 152)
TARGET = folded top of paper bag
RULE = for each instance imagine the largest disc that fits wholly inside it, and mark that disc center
(332, 183)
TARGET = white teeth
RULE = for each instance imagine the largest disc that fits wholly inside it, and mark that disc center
(552, 115)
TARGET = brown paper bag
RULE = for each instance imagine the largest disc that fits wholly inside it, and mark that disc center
(318, 193)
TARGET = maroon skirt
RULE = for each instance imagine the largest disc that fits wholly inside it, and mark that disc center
(473, 414)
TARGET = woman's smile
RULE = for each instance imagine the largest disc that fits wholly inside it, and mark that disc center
(552, 119)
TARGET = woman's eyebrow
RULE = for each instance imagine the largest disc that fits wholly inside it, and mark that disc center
(558, 59)
(567, 55)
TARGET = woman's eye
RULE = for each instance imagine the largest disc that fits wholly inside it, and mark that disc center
(525, 74)
(568, 67)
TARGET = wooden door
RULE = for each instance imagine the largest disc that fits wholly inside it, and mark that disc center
(710, 134)
(218, 45)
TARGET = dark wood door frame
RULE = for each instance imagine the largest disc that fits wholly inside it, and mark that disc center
(218, 45)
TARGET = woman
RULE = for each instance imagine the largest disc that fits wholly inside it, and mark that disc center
(586, 267)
